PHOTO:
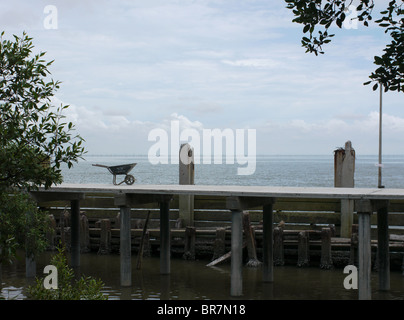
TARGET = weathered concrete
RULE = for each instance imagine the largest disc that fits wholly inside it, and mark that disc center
(344, 177)
(125, 247)
(75, 233)
(268, 255)
(186, 177)
(236, 285)
(165, 239)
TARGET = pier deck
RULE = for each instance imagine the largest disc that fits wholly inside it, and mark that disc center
(238, 198)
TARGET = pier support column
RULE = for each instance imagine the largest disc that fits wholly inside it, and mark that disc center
(383, 255)
(236, 205)
(165, 241)
(236, 288)
(186, 177)
(364, 210)
(268, 259)
(125, 247)
(344, 173)
(75, 233)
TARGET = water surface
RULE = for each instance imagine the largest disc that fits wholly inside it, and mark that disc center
(192, 280)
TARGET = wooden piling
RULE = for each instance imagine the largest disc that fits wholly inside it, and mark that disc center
(84, 233)
(279, 258)
(326, 254)
(219, 245)
(105, 237)
(303, 249)
(144, 241)
(353, 254)
(51, 233)
(250, 241)
(190, 238)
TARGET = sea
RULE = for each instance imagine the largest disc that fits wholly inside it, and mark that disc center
(193, 280)
(270, 170)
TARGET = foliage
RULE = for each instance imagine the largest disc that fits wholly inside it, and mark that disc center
(324, 13)
(22, 225)
(85, 288)
(35, 139)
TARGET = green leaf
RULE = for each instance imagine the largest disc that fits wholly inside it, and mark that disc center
(306, 28)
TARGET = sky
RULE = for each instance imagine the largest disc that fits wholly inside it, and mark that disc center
(129, 67)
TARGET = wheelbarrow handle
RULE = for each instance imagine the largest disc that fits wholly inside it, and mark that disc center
(100, 165)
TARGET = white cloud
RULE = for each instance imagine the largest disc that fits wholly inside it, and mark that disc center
(129, 66)
(256, 63)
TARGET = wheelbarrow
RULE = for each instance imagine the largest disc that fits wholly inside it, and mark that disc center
(122, 169)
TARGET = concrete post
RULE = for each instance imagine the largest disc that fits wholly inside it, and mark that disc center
(75, 233)
(383, 252)
(125, 247)
(165, 241)
(344, 172)
(268, 256)
(236, 287)
(186, 177)
(364, 210)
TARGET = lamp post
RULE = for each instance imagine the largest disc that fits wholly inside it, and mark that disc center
(379, 184)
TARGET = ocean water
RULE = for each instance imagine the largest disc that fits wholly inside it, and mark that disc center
(299, 171)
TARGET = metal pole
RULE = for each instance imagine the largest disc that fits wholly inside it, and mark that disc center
(379, 184)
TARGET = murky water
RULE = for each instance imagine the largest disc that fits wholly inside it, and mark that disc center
(192, 280)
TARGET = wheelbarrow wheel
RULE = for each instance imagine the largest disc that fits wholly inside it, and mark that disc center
(129, 179)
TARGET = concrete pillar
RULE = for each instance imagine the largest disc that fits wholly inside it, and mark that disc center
(75, 233)
(344, 177)
(186, 177)
(268, 257)
(165, 241)
(383, 254)
(364, 210)
(236, 285)
(125, 247)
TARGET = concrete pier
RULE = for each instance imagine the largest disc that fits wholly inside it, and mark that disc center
(238, 198)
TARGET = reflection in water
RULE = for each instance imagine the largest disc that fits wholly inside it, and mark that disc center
(192, 280)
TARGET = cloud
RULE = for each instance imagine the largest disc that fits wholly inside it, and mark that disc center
(130, 66)
(255, 63)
